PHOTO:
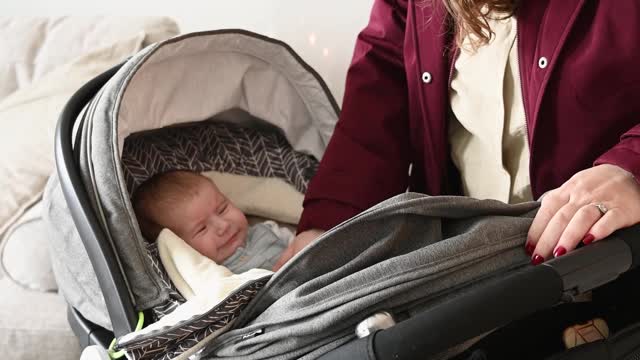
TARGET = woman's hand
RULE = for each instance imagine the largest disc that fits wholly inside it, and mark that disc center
(589, 207)
(299, 242)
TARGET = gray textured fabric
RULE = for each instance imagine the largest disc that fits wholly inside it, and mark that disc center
(68, 255)
(103, 177)
(400, 256)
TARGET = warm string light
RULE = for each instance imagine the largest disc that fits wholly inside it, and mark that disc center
(313, 39)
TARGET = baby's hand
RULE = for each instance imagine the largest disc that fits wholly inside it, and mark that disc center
(299, 242)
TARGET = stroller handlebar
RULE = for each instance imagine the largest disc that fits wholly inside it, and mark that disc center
(499, 301)
(589, 267)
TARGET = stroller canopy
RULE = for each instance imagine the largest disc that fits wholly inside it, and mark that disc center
(230, 75)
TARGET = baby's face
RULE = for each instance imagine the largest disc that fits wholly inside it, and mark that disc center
(210, 223)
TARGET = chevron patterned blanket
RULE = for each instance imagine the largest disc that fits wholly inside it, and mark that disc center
(215, 145)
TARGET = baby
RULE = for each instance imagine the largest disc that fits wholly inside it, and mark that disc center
(191, 206)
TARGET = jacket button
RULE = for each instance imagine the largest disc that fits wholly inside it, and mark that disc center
(426, 77)
(543, 62)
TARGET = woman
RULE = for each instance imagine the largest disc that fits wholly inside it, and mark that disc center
(498, 99)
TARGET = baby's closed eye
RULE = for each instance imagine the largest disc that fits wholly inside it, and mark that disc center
(223, 207)
(200, 230)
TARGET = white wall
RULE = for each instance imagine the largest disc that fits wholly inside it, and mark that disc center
(323, 32)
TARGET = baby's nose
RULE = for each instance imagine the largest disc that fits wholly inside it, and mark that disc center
(221, 225)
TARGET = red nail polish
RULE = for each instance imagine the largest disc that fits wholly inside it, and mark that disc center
(537, 260)
(588, 239)
(529, 248)
(560, 250)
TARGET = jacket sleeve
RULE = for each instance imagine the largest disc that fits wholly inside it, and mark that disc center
(625, 154)
(368, 155)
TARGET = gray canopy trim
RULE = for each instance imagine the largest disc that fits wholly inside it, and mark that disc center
(231, 75)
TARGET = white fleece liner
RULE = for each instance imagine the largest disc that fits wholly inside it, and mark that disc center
(199, 76)
(202, 282)
(267, 198)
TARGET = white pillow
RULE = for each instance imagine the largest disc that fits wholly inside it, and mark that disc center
(24, 255)
(33, 46)
(27, 121)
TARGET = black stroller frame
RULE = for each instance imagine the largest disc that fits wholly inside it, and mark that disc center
(513, 296)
